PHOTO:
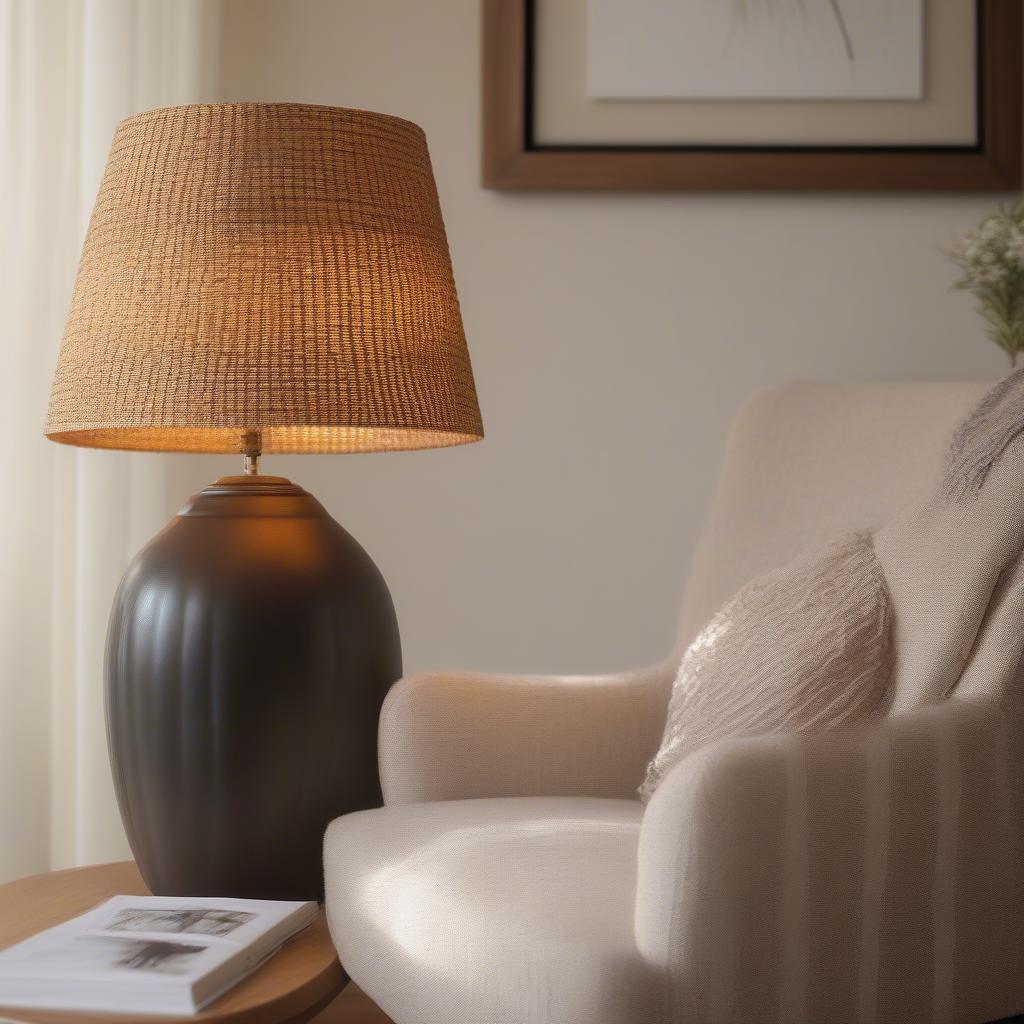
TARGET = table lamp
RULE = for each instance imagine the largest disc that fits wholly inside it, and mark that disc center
(256, 278)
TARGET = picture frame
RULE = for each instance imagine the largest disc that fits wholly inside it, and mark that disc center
(513, 158)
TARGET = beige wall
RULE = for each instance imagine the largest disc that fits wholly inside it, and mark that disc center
(613, 337)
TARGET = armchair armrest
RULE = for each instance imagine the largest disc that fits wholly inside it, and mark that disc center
(458, 735)
(874, 875)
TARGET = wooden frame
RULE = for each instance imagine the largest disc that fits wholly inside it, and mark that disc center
(511, 159)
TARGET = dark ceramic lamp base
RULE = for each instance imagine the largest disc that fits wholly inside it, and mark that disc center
(251, 644)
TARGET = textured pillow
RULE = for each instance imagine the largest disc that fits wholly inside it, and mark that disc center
(807, 646)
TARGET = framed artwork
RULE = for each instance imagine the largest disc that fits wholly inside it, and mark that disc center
(752, 94)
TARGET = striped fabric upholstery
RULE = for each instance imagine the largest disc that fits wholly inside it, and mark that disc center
(870, 875)
(841, 878)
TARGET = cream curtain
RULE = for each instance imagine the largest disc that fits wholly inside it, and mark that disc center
(69, 519)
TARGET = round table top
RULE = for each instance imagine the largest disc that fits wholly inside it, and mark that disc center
(292, 986)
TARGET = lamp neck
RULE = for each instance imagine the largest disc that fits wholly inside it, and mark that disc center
(251, 448)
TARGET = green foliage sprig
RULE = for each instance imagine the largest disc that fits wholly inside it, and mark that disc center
(991, 261)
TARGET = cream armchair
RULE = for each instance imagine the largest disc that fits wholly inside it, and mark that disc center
(871, 875)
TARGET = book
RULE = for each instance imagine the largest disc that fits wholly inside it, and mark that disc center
(148, 954)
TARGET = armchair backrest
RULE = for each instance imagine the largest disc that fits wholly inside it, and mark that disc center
(804, 462)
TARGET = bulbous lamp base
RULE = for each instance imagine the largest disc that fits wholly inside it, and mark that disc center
(250, 647)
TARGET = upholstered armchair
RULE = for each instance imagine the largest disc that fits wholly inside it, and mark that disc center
(872, 874)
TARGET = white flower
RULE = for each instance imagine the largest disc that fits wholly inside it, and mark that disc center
(992, 274)
(1015, 247)
(990, 230)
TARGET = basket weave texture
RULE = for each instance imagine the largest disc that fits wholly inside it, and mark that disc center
(273, 267)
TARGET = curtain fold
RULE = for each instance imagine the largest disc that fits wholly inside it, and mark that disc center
(70, 519)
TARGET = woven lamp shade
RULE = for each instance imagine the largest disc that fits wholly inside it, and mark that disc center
(277, 267)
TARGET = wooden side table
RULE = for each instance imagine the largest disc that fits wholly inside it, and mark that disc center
(302, 978)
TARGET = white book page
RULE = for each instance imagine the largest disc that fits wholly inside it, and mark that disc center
(192, 918)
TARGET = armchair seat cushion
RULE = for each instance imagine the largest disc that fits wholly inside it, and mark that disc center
(509, 911)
